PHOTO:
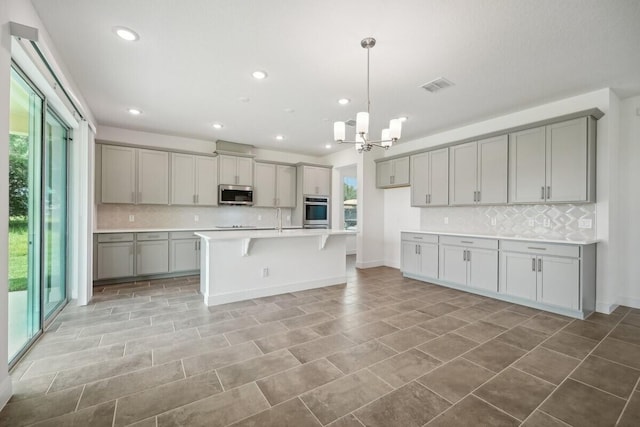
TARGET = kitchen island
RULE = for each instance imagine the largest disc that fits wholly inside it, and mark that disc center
(245, 264)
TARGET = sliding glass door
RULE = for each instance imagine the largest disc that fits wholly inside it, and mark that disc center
(54, 222)
(37, 214)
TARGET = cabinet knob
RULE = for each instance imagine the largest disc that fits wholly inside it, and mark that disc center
(542, 192)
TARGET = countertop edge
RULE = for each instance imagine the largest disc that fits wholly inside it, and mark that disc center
(498, 237)
(271, 234)
(169, 230)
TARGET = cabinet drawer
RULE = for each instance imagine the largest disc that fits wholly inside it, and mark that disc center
(152, 236)
(541, 248)
(179, 235)
(115, 237)
(420, 238)
(471, 242)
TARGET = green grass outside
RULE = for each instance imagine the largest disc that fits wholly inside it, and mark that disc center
(18, 254)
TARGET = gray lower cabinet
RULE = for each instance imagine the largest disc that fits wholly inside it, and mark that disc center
(420, 254)
(115, 260)
(185, 252)
(152, 253)
(469, 262)
(550, 276)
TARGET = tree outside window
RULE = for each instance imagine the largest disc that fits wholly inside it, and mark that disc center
(350, 190)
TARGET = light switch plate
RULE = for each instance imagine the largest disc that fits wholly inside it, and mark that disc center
(531, 223)
(132, 218)
(585, 223)
(547, 222)
(196, 218)
(446, 220)
(493, 221)
(259, 217)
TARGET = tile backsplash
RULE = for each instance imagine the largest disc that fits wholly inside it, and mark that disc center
(526, 221)
(115, 216)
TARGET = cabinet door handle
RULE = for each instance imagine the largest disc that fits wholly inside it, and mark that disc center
(195, 245)
(469, 242)
(478, 196)
(548, 192)
(539, 264)
(429, 198)
(464, 255)
(533, 264)
(536, 248)
(542, 193)
(415, 249)
(194, 199)
(468, 255)
(475, 195)
(419, 250)
(426, 199)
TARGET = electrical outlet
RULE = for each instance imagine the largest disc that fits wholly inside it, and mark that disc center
(265, 272)
(531, 223)
(196, 218)
(446, 220)
(259, 217)
(132, 218)
(585, 223)
(546, 222)
(493, 221)
(288, 217)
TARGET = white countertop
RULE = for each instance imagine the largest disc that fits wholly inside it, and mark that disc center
(156, 230)
(270, 234)
(504, 237)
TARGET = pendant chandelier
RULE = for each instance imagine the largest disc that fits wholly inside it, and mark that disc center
(362, 141)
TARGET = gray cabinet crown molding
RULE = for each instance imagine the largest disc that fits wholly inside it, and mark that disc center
(592, 112)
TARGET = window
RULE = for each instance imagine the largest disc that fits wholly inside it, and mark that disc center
(350, 190)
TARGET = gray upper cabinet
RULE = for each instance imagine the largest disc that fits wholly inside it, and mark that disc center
(316, 180)
(153, 177)
(236, 170)
(275, 185)
(430, 178)
(392, 173)
(478, 172)
(194, 180)
(118, 178)
(567, 161)
(553, 164)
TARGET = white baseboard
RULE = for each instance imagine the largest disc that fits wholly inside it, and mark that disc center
(5, 391)
(266, 292)
(605, 307)
(629, 302)
(370, 264)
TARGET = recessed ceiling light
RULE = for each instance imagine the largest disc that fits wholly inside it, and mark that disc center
(134, 111)
(218, 126)
(327, 146)
(344, 101)
(279, 137)
(259, 74)
(403, 118)
(126, 34)
(289, 110)
(244, 99)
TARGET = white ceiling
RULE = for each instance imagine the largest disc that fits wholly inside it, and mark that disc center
(195, 57)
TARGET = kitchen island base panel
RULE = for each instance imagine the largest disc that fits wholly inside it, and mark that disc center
(274, 265)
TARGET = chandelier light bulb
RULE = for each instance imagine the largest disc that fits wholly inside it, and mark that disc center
(362, 122)
(395, 128)
(339, 131)
(385, 138)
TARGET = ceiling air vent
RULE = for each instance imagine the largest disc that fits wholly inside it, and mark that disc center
(350, 122)
(435, 85)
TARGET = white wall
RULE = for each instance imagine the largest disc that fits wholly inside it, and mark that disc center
(629, 177)
(398, 216)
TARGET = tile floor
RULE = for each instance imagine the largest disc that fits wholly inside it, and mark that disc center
(379, 351)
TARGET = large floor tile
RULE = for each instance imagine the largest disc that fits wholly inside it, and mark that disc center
(29, 411)
(218, 410)
(443, 324)
(472, 411)
(515, 392)
(409, 406)
(584, 328)
(218, 358)
(130, 383)
(631, 415)
(254, 332)
(619, 351)
(456, 379)
(241, 373)
(79, 358)
(404, 367)
(627, 333)
(545, 323)
(523, 338)
(408, 319)
(580, 405)
(608, 376)
(321, 347)
(306, 320)
(541, 419)
(506, 319)
(549, 365)
(361, 356)
(448, 346)
(95, 416)
(407, 338)
(571, 345)
(338, 398)
(154, 401)
(188, 348)
(480, 331)
(369, 332)
(150, 343)
(289, 414)
(494, 355)
(296, 381)
(287, 339)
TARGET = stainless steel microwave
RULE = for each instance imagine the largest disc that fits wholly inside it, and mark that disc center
(235, 195)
